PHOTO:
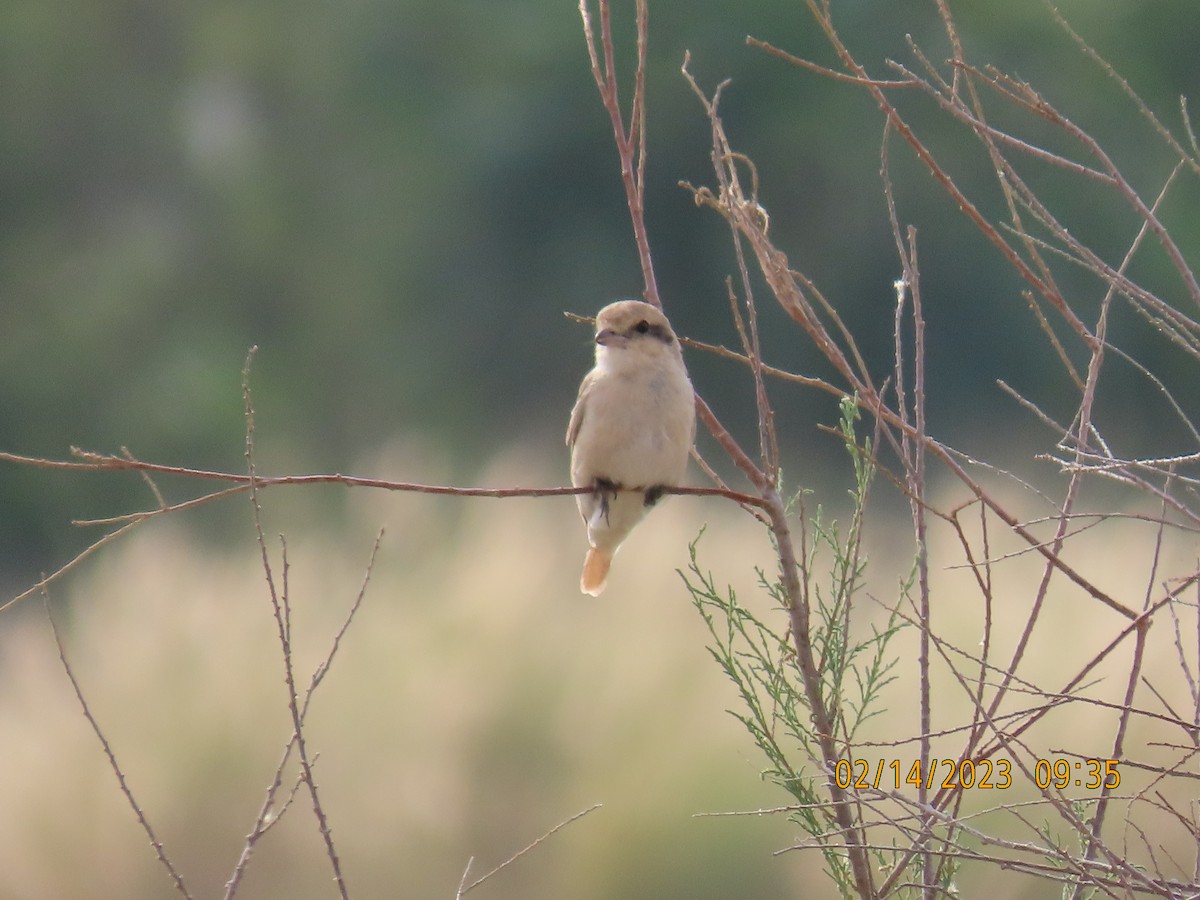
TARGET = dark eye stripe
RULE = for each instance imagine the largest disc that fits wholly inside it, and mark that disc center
(656, 331)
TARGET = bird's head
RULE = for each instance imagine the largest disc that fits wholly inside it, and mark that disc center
(635, 328)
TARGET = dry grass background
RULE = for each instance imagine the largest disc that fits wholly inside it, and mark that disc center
(477, 701)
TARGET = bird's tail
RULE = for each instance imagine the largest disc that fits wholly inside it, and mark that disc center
(595, 571)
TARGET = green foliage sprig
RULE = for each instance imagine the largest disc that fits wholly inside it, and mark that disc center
(760, 661)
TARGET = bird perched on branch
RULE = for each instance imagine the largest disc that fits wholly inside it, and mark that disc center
(631, 429)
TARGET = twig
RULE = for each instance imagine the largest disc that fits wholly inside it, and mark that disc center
(159, 852)
(96, 462)
(280, 606)
(631, 142)
(267, 815)
(512, 859)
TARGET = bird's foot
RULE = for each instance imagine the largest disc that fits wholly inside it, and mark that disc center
(604, 491)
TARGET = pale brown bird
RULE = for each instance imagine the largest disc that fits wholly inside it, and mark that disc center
(631, 428)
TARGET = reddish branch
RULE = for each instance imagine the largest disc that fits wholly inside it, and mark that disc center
(87, 461)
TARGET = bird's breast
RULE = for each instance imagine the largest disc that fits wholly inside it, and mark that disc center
(637, 430)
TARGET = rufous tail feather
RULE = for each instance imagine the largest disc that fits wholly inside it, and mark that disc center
(595, 571)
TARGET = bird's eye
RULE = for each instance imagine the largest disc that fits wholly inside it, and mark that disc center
(642, 327)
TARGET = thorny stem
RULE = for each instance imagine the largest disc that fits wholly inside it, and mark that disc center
(280, 605)
(176, 878)
(269, 813)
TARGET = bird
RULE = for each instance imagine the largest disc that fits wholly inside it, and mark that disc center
(631, 429)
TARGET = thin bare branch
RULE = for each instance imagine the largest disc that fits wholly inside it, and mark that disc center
(281, 609)
(512, 859)
(159, 852)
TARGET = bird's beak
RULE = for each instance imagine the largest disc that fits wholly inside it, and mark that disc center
(605, 336)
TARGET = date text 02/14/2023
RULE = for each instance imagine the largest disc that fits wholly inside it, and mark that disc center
(984, 774)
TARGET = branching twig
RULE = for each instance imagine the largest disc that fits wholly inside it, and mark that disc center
(269, 814)
(280, 607)
(463, 887)
(96, 462)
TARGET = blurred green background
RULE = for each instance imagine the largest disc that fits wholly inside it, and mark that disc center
(395, 202)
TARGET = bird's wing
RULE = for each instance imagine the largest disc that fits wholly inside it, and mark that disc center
(577, 410)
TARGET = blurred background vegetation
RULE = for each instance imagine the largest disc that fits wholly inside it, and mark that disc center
(396, 200)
